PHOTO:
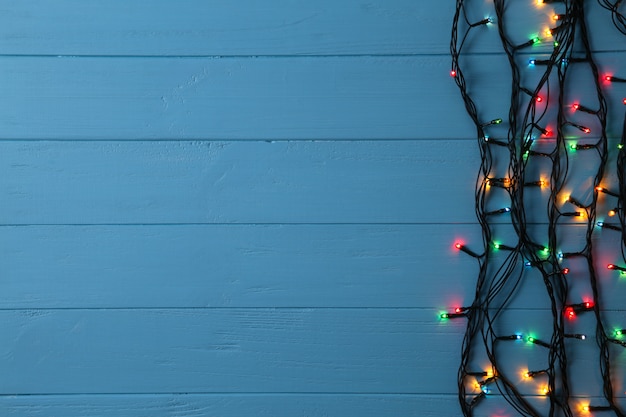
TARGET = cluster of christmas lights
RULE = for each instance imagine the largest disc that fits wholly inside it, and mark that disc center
(499, 263)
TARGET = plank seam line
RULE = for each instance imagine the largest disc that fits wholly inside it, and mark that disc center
(267, 224)
(387, 140)
(218, 56)
(252, 308)
(280, 56)
(226, 393)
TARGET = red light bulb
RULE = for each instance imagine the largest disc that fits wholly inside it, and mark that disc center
(608, 78)
(458, 245)
(569, 311)
(538, 99)
(458, 310)
(575, 106)
(565, 271)
(453, 73)
(610, 266)
(624, 101)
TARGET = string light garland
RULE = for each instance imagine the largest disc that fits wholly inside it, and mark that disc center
(502, 266)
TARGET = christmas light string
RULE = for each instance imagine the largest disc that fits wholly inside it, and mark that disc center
(498, 279)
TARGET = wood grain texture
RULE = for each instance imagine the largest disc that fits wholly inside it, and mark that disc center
(215, 350)
(223, 98)
(259, 182)
(269, 266)
(244, 98)
(231, 405)
(227, 182)
(387, 351)
(254, 405)
(247, 27)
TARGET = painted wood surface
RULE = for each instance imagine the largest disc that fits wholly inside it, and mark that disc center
(235, 405)
(156, 182)
(282, 27)
(308, 266)
(248, 209)
(267, 98)
(228, 405)
(253, 350)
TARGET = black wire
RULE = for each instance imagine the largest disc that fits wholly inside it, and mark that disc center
(500, 277)
(618, 19)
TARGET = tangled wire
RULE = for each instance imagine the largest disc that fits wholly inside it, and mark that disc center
(500, 277)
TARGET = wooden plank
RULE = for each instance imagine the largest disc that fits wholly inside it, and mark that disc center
(266, 351)
(220, 266)
(349, 98)
(215, 350)
(229, 405)
(255, 405)
(258, 182)
(270, 266)
(192, 27)
(235, 98)
(226, 182)
(247, 27)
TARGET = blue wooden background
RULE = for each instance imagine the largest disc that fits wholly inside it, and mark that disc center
(245, 208)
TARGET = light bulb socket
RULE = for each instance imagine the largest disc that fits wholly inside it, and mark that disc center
(614, 79)
(605, 191)
(609, 226)
(499, 211)
(463, 248)
(616, 268)
(511, 337)
(538, 342)
(580, 107)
